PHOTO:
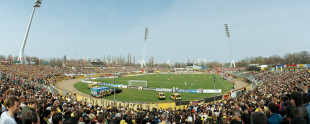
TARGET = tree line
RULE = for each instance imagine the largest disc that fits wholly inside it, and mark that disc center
(302, 57)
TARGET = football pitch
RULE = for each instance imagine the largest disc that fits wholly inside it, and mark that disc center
(181, 81)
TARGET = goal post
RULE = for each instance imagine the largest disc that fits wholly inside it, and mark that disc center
(138, 83)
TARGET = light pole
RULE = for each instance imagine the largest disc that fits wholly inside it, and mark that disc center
(214, 88)
(232, 64)
(21, 56)
(114, 88)
(145, 37)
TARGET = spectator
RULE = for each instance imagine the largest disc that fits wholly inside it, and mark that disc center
(79, 116)
(0, 109)
(274, 118)
(297, 101)
(32, 118)
(57, 118)
(190, 119)
(45, 116)
(163, 119)
(258, 118)
(285, 105)
(298, 120)
(32, 103)
(7, 117)
(53, 110)
(234, 121)
(101, 119)
(39, 110)
(71, 120)
(307, 105)
(290, 114)
(21, 81)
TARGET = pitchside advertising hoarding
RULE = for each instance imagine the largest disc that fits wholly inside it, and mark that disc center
(163, 90)
(294, 66)
(212, 91)
(290, 66)
(191, 91)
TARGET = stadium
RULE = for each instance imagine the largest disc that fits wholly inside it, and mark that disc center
(95, 83)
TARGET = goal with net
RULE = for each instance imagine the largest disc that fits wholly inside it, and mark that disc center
(138, 83)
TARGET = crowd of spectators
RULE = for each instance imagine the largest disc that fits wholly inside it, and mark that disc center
(42, 72)
(283, 97)
(87, 68)
(30, 72)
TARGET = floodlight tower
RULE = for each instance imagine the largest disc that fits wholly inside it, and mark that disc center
(145, 37)
(204, 62)
(232, 64)
(21, 56)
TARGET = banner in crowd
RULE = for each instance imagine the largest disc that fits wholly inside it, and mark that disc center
(165, 105)
(178, 103)
(107, 103)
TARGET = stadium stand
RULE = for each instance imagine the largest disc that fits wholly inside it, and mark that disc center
(279, 97)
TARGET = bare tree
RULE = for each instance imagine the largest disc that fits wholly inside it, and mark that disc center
(151, 61)
(130, 62)
(2, 57)
(134, 59)
(55, 62)
(304, 57)
(34, 59)
(290, 58)
(212, 64)
(128, 59)
(275, 59)
(242, 63)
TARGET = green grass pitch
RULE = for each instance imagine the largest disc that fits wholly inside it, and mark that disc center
(193, 81)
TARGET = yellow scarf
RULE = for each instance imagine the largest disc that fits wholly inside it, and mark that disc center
(30, 107)
(46, 120)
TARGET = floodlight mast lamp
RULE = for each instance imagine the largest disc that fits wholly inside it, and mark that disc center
(145, 37)
(21, 56)
(232, 64)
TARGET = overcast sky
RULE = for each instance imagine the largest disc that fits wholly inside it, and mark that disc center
(178, 29)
